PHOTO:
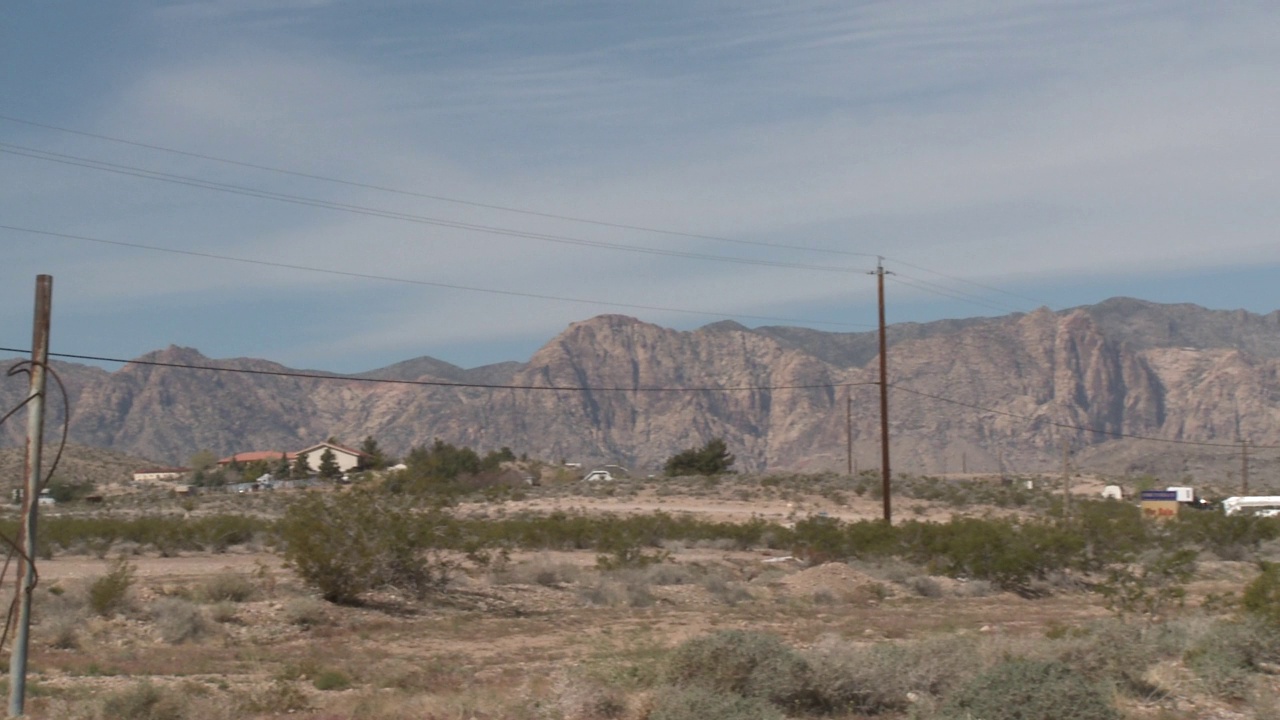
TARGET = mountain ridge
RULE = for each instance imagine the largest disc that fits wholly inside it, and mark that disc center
(979, 394)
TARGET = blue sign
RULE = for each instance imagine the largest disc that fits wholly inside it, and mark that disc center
(1160, 495)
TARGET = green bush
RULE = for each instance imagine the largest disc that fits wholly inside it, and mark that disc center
(751, 664)
(144, 701)
(331, 680)
(178, 620)
(347, 544)
(1228, 655)
(1018, 689)
(1152, 585)
(880, 678)
(228, 587)
(698, 703)
(1262, 596)
(110, 593)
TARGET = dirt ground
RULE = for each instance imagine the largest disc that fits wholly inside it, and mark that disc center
(516, 639)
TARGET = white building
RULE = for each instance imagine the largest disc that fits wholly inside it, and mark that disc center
(152, 474)
(346, 458)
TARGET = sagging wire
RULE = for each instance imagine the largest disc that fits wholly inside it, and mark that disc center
(25, 366)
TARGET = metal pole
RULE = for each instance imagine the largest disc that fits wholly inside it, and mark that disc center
(884, 398)
(30, 500)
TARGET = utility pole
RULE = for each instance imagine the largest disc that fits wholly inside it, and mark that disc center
(964, 463)
(884, 397)
(848, 429)
(30, 502)
(1066, 479)
(1244, 466)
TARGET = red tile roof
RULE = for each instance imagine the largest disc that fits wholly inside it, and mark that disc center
(255, 456)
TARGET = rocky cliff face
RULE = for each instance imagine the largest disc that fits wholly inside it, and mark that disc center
(972, 395)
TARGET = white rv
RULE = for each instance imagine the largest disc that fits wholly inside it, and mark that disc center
(1261, 505)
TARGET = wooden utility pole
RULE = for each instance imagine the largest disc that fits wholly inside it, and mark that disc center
(30, 496)
(884, 397)
(1066, 479)
(848, 429)
(1244, 467)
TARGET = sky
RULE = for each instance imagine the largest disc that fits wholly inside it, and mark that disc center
(344, 185)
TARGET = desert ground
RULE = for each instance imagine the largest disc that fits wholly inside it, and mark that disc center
(236, 633)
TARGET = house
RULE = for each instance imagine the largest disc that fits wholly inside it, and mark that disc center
(346, 458)
(152, 474)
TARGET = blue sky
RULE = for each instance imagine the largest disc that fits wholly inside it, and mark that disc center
(1000, 155)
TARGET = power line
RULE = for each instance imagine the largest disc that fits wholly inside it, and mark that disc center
(962, 296)
(440, 198)
(426, 283)
(439, 383)
(389, 214)
(1070, 426)
(953, 278)
(504, 208)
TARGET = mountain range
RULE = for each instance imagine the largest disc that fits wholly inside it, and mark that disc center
(1125, 386)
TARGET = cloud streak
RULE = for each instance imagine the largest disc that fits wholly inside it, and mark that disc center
(1027, 145)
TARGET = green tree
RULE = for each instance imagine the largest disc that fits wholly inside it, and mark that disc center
(373, 457)
(301, 467)
(255, 470)
(282, 467)
(202, 460)
(710, 459)
(329, 465)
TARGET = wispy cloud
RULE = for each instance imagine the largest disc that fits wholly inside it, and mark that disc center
(1004, 142)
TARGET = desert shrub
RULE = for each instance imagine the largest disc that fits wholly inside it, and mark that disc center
(1009, 553)
(1262, 596)
(177, 620)
(618, 592)
(750, 664)
(227, 587)
(280, 697)
(539, 571)
(109, 593)
(699, 703)
(59, 617)
(143, 701)
(1017, 689)
(347, 544)
(1230, 652)
(306, 612)
(584, 698)
(223, 612)
(874, 679)
(1230, 537)
(1116, 652)
(1159, 581)
(724, 591)
(331, 680)
(924, 586)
